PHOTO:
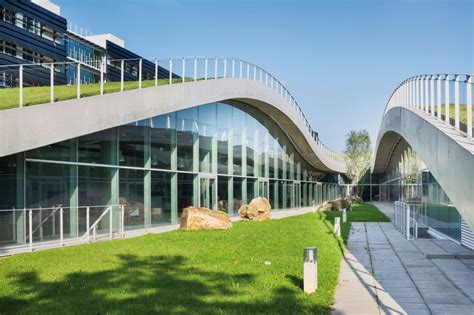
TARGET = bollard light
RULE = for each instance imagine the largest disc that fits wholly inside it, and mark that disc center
(310, 269)
(344, 215)
(337, 226)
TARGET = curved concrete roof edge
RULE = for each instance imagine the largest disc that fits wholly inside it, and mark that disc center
(446, 152)
(31, 127)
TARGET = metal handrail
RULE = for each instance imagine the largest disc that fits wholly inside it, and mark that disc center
(428, 93)
(232, 68)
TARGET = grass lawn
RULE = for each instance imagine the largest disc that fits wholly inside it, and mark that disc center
(209, 272)
(9, 97)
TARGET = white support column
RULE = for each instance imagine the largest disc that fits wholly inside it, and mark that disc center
(446, 99)
(122, 74)
(422, 93)
(255, 73)
(432, 95)
(140, 73)
(20, 86)
(417, 93)
(240, 75)
(412, 93)
(78, 80)
(51, 83)
(205, 68)
(171, 71)
(438, 96)
(156, 72)
(469, 104)
(248, 71)
(457, 121)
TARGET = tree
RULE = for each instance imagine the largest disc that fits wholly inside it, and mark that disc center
(358, 153)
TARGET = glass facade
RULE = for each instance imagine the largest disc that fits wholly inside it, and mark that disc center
(410, 181)
(215, 155)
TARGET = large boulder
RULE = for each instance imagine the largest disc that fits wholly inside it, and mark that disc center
(259, 209)
(204, 219)
(326, 206)
(341, 203)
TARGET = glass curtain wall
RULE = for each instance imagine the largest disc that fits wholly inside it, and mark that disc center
(218, 155)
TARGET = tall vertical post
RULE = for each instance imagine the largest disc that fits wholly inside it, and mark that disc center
(205, 67)
(310, 270)
(422, 92)
(469, 104)
(171, 71)
(140, 73)
(255, 73)
(20, 86)
(417, 93)
(408, 222)
(337, 226)
(156, 72)
(122, 74)
(248, 71)
(78, 79)
(457, 121)
(51, 83)
(446, 99)
(122, 217)
(240, 75)
(102, 78)
(427, 96)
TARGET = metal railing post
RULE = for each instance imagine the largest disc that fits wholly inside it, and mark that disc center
(41, 223)
(457, 121)
(446, 99)
(102, 78)
(20, 86)
(233, 67)
(78, 80)
(184, 70)
(110, 222)
(205, 68)
(171, 71)
(408, 222)
(122, 74)
(469, 104)
(88, 224)
(30, 228)
(122, 219)
(255, 73)
(225, 67)
(432, 95)
(215, 68)
(51, 83)
(427, 96)
(248, 71)
(240, 69)
(140, 73)
(156, 72)
(438, 96)
(61, 228)
(195, 68)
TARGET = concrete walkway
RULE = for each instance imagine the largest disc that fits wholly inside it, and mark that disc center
(385, 274)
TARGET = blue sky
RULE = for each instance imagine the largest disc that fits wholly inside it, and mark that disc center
(340, 59)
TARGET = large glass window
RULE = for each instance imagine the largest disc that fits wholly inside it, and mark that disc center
(132, 143)
(131, 197)
(185, 191)
(187, 136)
(163, 139)
(98, 148)
(160, 198)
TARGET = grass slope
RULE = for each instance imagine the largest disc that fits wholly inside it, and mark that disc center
(211, 272)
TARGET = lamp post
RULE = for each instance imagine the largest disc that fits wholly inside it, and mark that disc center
(310, 268)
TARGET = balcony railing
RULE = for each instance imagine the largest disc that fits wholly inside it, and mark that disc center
(447, 97)
(29, 84)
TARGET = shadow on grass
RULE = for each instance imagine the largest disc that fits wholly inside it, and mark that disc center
(150, 284)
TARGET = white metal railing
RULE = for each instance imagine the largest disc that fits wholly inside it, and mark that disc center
(44, 83)
(56, 225)
(405, 219)
(447, 97)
